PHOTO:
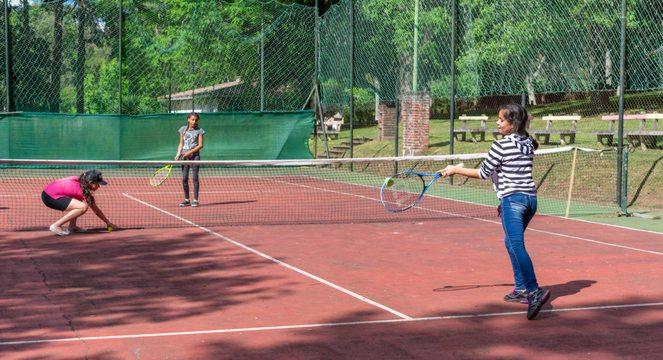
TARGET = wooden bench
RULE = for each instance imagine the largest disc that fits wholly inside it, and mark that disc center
(332, 126)
(565, 136)
(460, 133)
(641, 138)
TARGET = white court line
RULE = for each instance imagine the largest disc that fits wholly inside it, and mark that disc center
(477, 204)
(488, 221)
(206, 192)
(284, 264)
(324, 325)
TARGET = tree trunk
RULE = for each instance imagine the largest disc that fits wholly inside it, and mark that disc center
(529, 79)
(54, 101)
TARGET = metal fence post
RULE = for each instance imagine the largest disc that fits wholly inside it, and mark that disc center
(620, 128)
(9, 76)
(119, 59)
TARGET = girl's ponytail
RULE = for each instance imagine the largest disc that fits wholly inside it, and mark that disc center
(518, 117)
(85, 186)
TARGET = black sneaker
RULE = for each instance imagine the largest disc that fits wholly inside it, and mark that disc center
(536, 299)
(185, 203)
(516, 296)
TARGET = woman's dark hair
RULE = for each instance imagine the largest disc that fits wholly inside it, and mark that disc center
(85, 186)
(519, 118)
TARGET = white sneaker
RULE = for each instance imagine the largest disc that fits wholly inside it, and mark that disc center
(58, 231)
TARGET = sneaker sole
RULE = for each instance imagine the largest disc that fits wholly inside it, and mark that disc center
(58, 232)
(536, 311)
(519, 301)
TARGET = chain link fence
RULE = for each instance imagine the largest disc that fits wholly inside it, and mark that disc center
(557, 57)
(143, 57)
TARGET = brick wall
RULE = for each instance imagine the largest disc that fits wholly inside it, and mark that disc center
(415, 115)
(386, 116)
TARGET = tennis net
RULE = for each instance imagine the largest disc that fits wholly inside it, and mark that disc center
(297, 191)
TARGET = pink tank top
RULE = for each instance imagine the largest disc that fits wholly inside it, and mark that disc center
(68, 186)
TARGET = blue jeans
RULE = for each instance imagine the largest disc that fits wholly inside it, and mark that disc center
(517, 211)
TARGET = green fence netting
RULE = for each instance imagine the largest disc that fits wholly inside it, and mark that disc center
(503, 48)
(252, 55)
(175, 56)
(559, 57)
(229, 136)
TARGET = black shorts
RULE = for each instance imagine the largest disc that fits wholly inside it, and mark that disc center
(56, 204)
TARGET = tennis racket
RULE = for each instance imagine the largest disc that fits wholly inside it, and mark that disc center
(406, 189)
(162, 174)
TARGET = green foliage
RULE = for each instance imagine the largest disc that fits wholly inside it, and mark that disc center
(174, 46)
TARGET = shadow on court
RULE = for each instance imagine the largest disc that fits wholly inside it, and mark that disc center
(605, 334)
(57, 286)
(612, 334)
(569, 288)
(228, 203)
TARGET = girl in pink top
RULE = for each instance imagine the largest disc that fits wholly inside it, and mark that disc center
(74, 196)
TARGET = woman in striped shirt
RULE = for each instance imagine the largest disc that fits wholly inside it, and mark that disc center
(509, 165)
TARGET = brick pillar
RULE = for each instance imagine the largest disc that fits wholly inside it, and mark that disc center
(386, 115)
(415, 115)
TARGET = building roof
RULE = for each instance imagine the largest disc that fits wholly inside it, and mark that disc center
(186, 95)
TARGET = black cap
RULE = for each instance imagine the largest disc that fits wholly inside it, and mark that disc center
(94, 176)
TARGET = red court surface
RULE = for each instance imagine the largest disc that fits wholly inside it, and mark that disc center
(410, 289)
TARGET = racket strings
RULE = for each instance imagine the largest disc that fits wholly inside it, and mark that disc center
(160, 176)
(402, 191)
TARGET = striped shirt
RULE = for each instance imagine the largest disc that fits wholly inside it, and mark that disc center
(509, 165)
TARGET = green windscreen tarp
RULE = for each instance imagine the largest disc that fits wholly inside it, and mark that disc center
(228, 136)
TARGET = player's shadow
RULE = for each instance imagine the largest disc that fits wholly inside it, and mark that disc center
(229, 202)
(569, 288)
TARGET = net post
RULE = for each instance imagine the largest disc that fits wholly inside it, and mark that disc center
(571, 181)
(623, 199)
(315, 133)
(397, 115)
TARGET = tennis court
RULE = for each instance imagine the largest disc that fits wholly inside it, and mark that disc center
(301, 261)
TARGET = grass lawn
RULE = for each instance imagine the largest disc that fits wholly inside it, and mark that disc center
(595, 183)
